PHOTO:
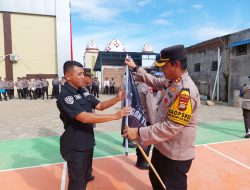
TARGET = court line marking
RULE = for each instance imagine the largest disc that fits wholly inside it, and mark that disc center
(118, 155)
(222, 142)
(228, 157)
(63, 178)
(44, 165)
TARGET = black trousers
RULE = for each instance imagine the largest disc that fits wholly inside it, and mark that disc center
(112, 90)
(246, 115)
(96, 91)
(20, 93)
(172, 172)
(9, 93)
(79, 169)
(45, 91)
(4, 95)
(106, 90)
(140, 157)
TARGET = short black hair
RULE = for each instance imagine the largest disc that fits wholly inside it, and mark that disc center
(70, 64)
(183, 63)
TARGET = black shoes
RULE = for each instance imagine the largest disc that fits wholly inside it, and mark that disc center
(143, 165)
(91, 178)
(247, 135)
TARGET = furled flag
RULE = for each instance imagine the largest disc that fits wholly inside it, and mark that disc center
(136, 118)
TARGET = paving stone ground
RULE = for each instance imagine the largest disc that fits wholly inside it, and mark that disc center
(40, 118)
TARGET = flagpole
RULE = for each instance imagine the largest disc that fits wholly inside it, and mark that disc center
(150, 164)
(126, 104)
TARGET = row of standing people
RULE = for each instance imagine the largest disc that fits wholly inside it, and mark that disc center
(29, 88)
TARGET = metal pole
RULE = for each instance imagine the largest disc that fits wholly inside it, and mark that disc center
(126, 104)
(218, 79)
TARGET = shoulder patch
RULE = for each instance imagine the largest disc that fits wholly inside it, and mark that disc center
(181, 110)
(69, 99)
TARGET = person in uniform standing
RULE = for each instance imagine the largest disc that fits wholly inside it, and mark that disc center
(11, 83)
(55, 88)
(246, 107)
(112, 86)
(96, 85)
(173, 133)
(30, 89)
(2, 89)
(7, 87)
(146, 97)
(25, 87)
(45, 86)
(75, 105)
(106, 86)
(19, 87)
(88, 81)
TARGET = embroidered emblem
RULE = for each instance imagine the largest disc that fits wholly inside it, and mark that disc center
(181, 110)
(69, 100)
(183, 102)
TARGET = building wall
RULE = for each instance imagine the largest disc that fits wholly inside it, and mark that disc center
(2, 63)
(90, 59)
(239, 64)
(34, 41)
(206, 77)
(234, 69)
(59, 9)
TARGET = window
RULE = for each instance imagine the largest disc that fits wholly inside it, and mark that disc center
(214, 65)
(241, 50)
(197, 67)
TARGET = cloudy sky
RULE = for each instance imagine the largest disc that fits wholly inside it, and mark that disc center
(160, 23)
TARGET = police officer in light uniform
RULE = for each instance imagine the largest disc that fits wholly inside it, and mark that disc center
(45, 86)
(19, 87)
(55, 89)
(246, 107)
(173, 133)
(2, 89)
(77, 142)
(146, 96)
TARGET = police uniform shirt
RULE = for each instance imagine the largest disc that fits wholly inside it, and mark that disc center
(77, 136)
(146, 97)
(174, 140)
(45, 83)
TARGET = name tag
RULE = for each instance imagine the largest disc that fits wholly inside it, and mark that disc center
(78, 96)
(86, 94)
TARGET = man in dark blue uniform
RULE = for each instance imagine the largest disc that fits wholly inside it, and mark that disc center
(77, 142)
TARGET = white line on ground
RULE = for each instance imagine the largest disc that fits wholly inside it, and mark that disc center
(44, 165)
(63, 181)
(223, 142)
(30, 167)
(245, 166)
